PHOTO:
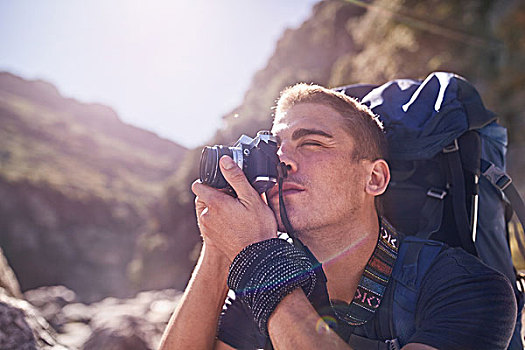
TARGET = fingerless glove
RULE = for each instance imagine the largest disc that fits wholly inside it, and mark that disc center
(263, 273)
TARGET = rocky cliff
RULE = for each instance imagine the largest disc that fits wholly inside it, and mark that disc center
(76, 189)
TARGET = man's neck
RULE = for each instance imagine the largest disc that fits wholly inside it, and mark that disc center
(344, 252)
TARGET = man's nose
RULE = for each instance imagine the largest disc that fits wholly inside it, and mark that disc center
(287, 157)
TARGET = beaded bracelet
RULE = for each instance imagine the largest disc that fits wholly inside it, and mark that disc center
(263, 273)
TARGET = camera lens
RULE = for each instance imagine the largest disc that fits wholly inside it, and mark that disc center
(210, 172)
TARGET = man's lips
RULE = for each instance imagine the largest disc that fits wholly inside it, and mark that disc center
(288, 188)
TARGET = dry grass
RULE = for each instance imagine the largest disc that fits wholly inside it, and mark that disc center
(516, 233)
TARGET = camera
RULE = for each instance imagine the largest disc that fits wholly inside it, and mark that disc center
(256, 157)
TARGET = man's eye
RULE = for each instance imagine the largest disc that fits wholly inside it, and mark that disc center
(310, 143)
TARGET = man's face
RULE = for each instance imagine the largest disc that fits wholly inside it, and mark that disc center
(325, 186)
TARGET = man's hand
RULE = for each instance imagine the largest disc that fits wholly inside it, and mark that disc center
(228, 223)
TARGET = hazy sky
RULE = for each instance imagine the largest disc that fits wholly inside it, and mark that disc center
(170, 66)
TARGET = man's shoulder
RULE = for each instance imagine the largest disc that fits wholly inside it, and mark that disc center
(430, 257)
(455, 264)
(444, 286)
(429, 267)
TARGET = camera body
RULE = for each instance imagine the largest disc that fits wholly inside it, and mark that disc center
(256, 157)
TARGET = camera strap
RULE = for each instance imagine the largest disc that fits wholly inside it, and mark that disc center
(282, 171)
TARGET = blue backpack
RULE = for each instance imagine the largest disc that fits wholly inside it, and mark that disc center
(447, 160)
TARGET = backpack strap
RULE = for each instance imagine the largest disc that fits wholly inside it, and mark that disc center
(455, 178)
(431, 213)
(415, 257)
(503, 182)
(358, 342)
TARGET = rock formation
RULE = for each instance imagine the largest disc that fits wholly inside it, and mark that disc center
(132, 323)
(76, 187)
(22, 327)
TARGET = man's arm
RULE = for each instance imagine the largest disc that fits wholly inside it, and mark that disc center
(296, 325)
(227, 225)
(193, 324)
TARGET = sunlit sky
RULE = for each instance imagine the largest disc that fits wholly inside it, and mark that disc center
(172, 67)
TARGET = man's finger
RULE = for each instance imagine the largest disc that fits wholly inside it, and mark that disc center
(236, 178)
(199, 206)
(203, 191)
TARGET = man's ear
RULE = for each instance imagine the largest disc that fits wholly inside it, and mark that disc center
(379, 177)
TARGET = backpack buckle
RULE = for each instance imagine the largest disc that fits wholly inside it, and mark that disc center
(498, 177)
(393, 344)
(436, 193)
(453, 147)
(520, 281)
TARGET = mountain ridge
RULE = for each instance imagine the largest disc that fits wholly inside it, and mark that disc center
(78, 187)
(77, 131)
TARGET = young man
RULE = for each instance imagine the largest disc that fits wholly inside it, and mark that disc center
(334, 150)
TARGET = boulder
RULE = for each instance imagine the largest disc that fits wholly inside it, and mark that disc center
(112, 323)
(22, 326)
